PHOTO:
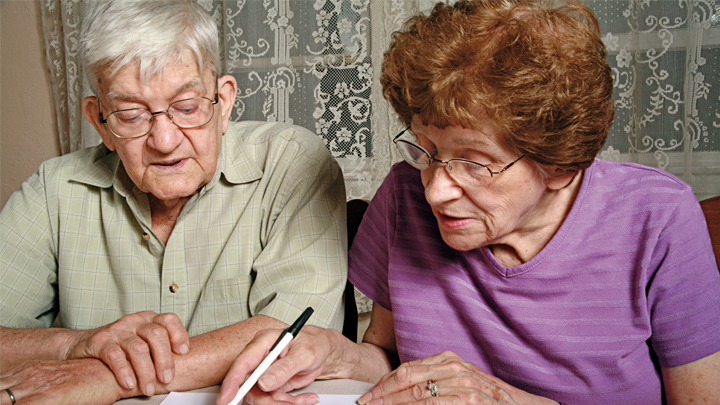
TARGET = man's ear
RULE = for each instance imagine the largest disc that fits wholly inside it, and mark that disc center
(91, 111)
(227, 90)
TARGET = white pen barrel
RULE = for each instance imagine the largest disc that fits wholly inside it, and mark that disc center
(274, 353)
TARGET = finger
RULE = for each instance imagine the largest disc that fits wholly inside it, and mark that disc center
(259, 397)
(114, 356)
(414, 394)
(300, 380)
(179, 339)
(405, 377)
(300, 364)
(157, 339)
(284, 369)
(436, 367)
(5, 397)
(138, 351)
(246, 363)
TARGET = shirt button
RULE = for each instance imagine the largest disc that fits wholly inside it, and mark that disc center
(146, 236)
(173, 288)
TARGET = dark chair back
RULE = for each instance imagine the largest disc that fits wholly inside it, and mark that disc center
(711, 208)
(355, 211)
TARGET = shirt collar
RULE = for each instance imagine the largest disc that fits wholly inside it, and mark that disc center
(101, 172)
(234, 161)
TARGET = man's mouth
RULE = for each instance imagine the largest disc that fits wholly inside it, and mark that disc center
(170, 163)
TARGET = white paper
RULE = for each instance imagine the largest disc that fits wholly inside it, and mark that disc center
(190, 398)
(331, 392)
(326, 399)
(208, 398)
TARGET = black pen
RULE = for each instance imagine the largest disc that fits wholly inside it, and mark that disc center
(282, 342)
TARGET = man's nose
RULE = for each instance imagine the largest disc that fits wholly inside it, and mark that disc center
(164, 135)
(440, 187)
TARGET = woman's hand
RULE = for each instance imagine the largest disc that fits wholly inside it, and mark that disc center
(314, 353)
(457, 382)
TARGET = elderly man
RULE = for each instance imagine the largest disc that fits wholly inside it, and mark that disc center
(166, 248)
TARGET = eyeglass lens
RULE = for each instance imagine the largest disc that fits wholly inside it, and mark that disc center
(465, 172)
(188, 113)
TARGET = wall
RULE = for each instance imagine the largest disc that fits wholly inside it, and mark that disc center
(28, 133)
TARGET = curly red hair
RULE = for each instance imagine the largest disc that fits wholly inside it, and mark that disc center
(536, 69)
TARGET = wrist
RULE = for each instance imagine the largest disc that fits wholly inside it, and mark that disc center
(101, 373)
(69, 342)
(340, 359)
(361, 362)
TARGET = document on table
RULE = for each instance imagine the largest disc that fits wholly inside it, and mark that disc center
(208, 398)
(331, 392)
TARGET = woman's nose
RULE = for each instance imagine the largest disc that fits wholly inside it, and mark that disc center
(440, 187)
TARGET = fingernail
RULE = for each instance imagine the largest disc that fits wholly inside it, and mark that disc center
(129, 382)
(266, 382)
(167, 376)
(367, 397)
(150, 389)
(184, 349)
(315, 400)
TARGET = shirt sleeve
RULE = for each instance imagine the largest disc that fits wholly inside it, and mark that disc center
(684, 292)
(304, 260)
(28, 269)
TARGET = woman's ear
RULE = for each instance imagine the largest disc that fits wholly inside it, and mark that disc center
(227, 91)
(91, 111)
(559, 178)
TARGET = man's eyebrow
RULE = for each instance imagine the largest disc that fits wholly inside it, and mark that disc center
(195, 83)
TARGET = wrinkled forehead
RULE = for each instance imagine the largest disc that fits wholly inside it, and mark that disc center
(150, 72)
(131, 81)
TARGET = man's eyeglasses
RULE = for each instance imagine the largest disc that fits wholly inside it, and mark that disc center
(136, 122)
(463, 171)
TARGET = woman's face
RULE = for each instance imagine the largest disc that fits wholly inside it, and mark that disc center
(509, 207)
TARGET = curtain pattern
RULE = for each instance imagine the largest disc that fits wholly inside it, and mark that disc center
(665, 58)
(315, 63)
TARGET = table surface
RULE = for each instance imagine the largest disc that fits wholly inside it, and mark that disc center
(318, 387)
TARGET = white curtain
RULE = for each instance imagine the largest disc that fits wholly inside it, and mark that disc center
(665, 57)
(316, 63)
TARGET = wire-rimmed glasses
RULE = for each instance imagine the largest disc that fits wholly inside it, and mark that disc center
(463, 171)
(136, 122)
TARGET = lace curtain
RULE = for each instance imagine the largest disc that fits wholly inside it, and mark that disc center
(315, 63)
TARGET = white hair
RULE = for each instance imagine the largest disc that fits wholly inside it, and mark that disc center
(151, 34)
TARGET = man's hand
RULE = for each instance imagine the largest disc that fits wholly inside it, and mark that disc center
(78, 382)
(137, 347)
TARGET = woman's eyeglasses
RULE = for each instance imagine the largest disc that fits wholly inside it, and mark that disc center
(463, 171)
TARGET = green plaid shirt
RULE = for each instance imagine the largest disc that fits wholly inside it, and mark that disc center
(265, 236)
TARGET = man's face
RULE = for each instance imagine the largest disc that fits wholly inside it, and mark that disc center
(170, 163)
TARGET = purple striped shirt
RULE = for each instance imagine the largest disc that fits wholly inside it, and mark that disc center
(628, 284)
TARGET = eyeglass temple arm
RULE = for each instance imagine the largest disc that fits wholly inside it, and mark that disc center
(506, 167)
(100, 114)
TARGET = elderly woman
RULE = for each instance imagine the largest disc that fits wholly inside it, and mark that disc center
(506, 263)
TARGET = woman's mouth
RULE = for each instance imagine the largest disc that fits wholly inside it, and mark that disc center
(451, 222)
